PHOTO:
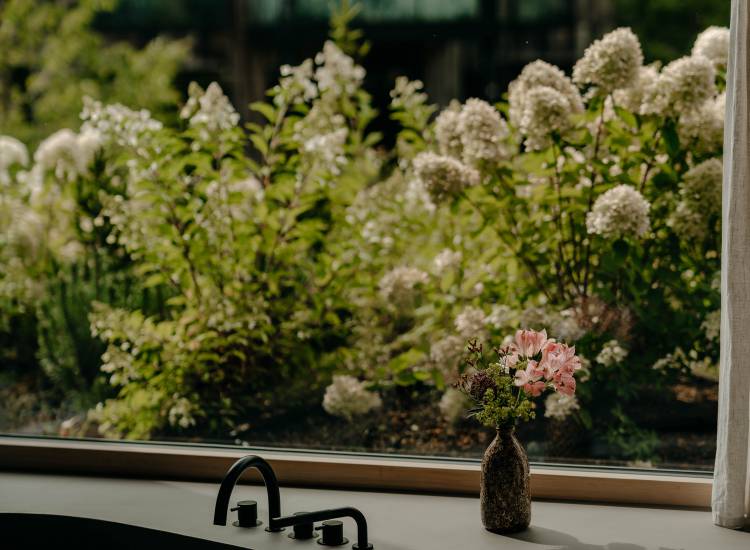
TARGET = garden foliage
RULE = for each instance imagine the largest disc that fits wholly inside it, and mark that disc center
(274, 256)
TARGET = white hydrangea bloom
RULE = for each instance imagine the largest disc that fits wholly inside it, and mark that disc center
(66, 153)
(446, 355)
(296, 83)
(540, 73)
(700, 198)
(209, 110)
(442, 176)
(620, 212)
(703, 128)
(713, 44)
(701, 185)
(337, 72)
(12, 153)
(499, 316)
(688, 223)
(446, 131)
(399, 285)
(482, 132)
(327, 150)
(611, 62)
(470, 323)
(347, 397)
(611, 354)
(559, 406)
(565, 327)
(683, 85)
(545, 111)
(116, 123)
(631, 97)
(407, 95)
(181, 412)
(453, 405)
(447, 259)
(712, 325)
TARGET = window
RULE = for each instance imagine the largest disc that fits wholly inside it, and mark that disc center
(249, 225)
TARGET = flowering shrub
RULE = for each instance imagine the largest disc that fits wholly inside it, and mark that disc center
(589, 206)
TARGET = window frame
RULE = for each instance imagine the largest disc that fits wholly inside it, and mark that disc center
(343, 470)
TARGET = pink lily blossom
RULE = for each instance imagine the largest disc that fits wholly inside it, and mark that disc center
(530, 342)
(530, 379)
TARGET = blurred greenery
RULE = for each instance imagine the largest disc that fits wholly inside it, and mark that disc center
(667, 28)
(52, 57)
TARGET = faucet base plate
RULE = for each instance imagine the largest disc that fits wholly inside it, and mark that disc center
(343, 542)
(237, 524)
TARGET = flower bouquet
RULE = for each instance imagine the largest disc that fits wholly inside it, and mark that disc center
(502, 389)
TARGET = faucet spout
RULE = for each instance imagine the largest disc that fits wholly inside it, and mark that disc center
(230, 479)
(322, 515)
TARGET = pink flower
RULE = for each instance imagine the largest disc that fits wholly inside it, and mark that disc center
(565, 383)
(530, 379)
(530, 342)
(559, 363)
(510, 361)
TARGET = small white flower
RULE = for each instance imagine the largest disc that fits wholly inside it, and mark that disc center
(116, 123)
(446, 355)
(683, 85)
(702, 129)
(700, 198)
(470, 323)
(611, 62)
(559, 406)
(347, 397)
(296, 82)
(399, 286)
(453, 405)
(620, 212)
(712, 325)
(67, 154)
(545, 111)
(482, 132)
(446, 131)
(631, 97)
(713, 43)
(447, 259)
(443, 177)
(209, 110)
(612, 353)
(499, 316)
(533, 75)
(337, 72)
(12, 153)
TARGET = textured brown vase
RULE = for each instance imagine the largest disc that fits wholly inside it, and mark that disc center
(505, 496)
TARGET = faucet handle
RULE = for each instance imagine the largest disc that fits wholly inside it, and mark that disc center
(333, 533)
(303, 531)
(247, 514)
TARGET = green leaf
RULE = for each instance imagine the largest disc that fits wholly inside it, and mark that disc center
(260, 144)
(405, 360)
(265, 109)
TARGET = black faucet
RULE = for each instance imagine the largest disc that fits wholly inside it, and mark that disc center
(333, 513)
(230, 479)
(277, 522)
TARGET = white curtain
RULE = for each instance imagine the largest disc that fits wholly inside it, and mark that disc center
(731, 490)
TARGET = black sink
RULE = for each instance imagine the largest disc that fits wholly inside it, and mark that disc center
(32, 531)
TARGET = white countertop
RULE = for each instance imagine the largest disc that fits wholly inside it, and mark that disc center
(395, 521)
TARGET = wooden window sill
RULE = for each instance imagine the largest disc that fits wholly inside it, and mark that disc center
(344, 471)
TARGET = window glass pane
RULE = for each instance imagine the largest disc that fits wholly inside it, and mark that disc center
(274, 223)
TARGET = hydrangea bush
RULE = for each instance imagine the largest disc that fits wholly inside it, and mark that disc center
(587, 205)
